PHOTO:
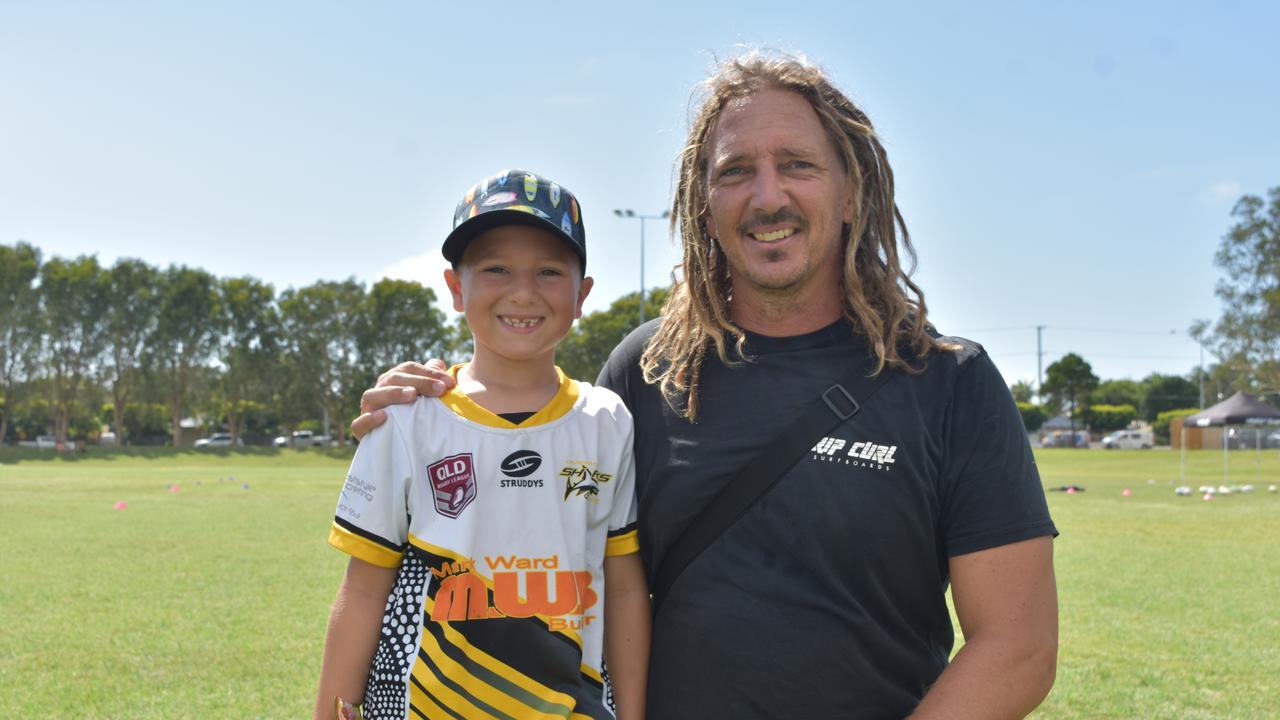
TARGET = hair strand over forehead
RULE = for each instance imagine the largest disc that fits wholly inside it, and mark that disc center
(879, 298)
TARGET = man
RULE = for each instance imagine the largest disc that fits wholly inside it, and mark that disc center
(826, 598)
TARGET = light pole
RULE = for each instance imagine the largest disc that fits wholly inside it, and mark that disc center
(631, 214)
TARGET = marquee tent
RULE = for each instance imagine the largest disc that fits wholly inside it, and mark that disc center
(1239, 409)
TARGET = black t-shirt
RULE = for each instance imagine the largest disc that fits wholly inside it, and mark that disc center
(827, 598)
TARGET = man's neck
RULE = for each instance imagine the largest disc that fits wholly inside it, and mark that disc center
(500, 385)
(784, 314)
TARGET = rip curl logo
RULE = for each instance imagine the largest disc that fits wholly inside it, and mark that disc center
(859, 454)
(453, 481)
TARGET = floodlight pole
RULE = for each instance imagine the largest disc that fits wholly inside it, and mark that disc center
(630, 214)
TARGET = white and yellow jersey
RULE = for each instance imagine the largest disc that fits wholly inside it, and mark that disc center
(499, 532)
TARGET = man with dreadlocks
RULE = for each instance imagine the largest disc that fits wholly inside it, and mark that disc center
(826, 597)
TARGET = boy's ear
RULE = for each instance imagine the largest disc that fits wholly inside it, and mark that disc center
(454, 282)
(583, 291)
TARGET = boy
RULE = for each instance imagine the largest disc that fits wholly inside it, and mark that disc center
(494, 552)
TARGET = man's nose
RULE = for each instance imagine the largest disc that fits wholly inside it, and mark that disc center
(768, 194)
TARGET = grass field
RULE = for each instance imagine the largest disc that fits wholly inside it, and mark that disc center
(211, 601)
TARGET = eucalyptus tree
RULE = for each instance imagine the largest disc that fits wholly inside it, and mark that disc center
(1246, 337)
(250, 346)
(321, 322)
(19, 324)
(399, 320)
(132, 312)
(73, 296)
(189, 324)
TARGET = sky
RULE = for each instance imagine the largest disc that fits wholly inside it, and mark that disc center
(1070, 166)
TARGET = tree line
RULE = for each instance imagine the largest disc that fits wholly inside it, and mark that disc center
(137, 348)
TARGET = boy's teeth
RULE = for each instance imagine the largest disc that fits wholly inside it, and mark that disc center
(775, 235)
(520, 323)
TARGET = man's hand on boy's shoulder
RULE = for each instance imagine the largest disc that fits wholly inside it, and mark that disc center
(401, 384)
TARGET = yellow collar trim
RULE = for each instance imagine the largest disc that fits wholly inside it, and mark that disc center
(560, 404)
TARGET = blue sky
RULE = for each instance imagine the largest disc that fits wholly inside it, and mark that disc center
(1065, 165)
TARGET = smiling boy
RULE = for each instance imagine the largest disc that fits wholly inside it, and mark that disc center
(492, 530)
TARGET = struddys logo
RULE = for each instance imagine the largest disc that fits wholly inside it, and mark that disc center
(859, 454)
(453, 483)
(582, 479)
(518, 466)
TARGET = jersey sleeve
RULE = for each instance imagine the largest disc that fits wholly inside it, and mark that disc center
(624, 537)
(372, 520)
(991, 490)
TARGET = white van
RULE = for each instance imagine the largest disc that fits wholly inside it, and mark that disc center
(1129, 440)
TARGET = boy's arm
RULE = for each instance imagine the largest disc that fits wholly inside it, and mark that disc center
(352, 639)
(626, 632)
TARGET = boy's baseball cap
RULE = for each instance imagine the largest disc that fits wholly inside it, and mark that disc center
(517, 197)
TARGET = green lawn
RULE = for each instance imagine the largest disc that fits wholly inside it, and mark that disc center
(211, 601)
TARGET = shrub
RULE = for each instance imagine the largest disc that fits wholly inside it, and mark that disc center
(1161, 425)
(1033, 416)
(1105, 418)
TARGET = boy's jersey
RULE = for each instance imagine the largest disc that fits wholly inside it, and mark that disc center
(500, 533)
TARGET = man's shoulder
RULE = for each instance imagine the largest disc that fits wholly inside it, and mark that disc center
(960, 350)
(632, 346)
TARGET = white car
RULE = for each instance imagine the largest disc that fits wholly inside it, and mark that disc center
(1129, 440)
(217, 440)
(302, 438)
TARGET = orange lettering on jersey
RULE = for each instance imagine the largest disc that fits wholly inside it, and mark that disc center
(453, 568)
(506, 594)
(509, 562)
(461, 597)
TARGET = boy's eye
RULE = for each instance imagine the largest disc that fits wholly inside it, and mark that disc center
(497, 269)
(551, 272)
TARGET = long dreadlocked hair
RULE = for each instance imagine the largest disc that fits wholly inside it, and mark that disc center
(879, 298)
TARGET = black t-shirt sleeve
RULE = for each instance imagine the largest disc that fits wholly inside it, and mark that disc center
(623, 366)
(991, 490)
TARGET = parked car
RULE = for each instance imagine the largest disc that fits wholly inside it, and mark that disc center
(47, 442)
(217, 440)
(1129, 440)
(302, 438)
(1064, 438)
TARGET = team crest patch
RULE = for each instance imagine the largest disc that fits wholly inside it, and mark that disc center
(453, 481)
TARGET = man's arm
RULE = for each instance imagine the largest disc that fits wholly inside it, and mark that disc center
(1007, 602)
(353, 635)
(401, 384)
(626, 632)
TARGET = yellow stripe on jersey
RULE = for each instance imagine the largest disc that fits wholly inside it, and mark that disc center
(488, 582)
(624, 544)
(485, 692)
(362, 548)
(499, 668)
(561, 403)
(452, 700)
(425, 705)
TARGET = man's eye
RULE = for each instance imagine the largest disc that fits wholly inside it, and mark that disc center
(732, 171)
(800, 165)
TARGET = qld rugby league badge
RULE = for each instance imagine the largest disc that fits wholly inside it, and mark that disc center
(453, 482)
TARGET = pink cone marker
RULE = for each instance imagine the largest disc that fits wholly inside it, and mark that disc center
(121, 505)
(1127, 492)
(174, 488)
(1208, 496)
(1071, 491)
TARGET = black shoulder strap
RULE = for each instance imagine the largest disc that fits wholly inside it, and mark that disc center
(834, 406)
